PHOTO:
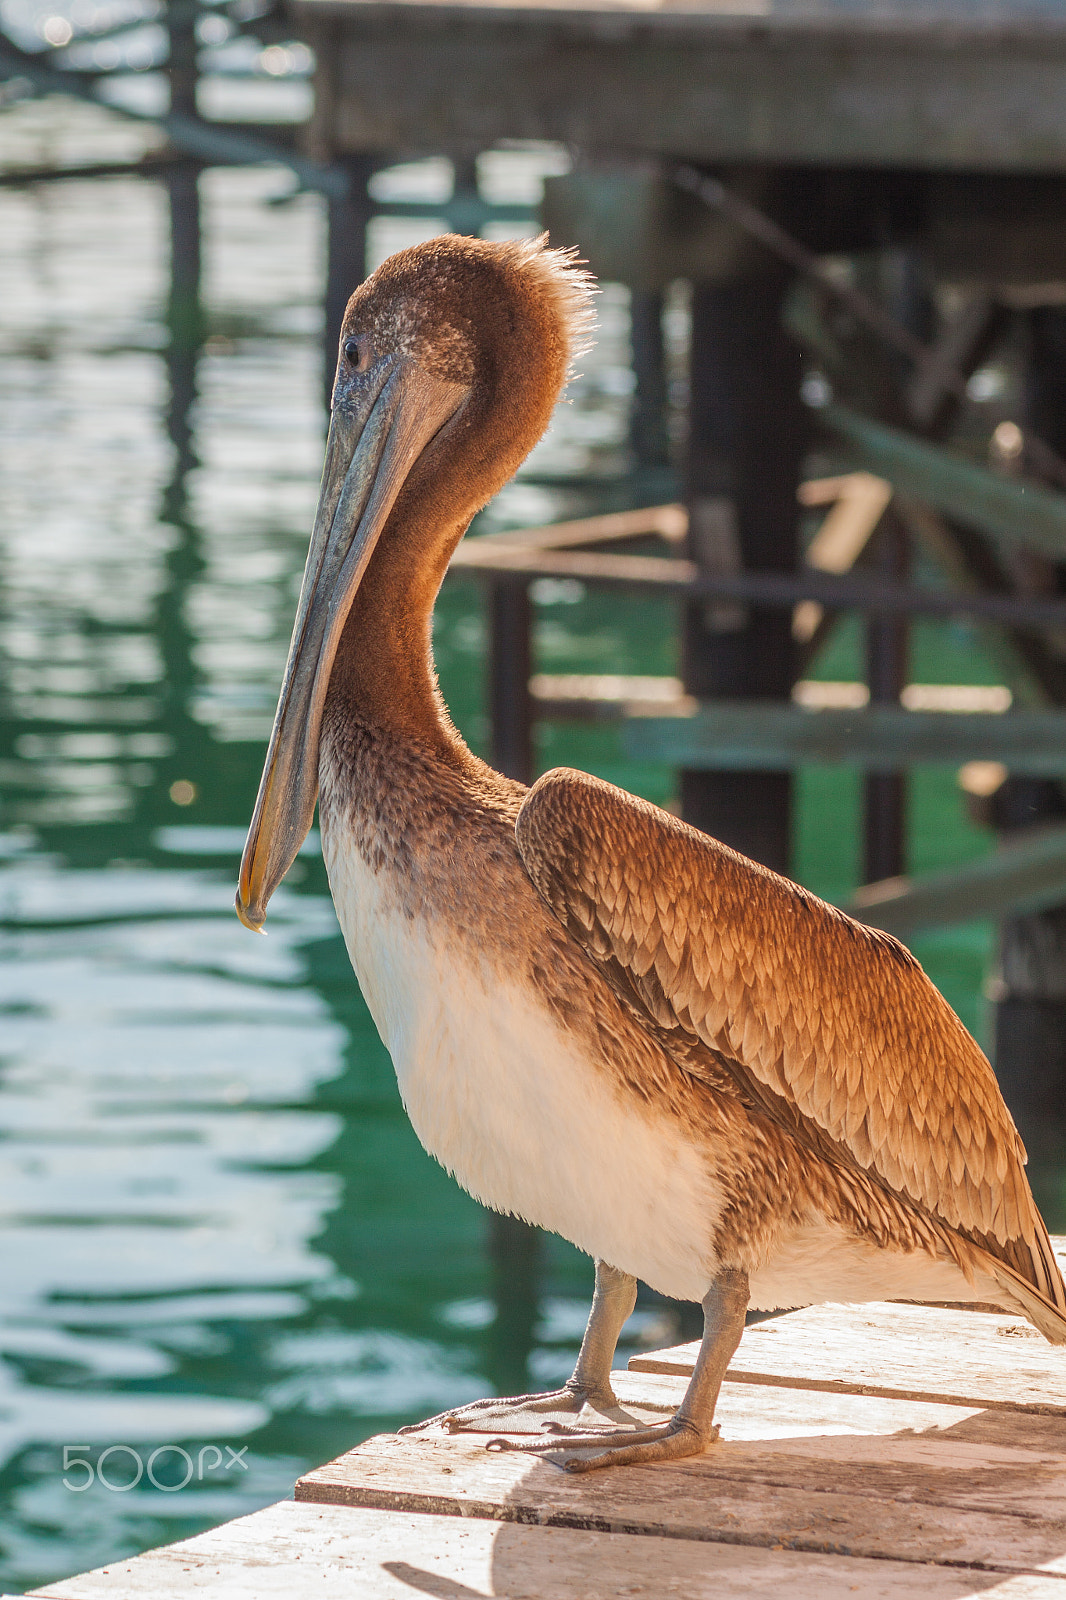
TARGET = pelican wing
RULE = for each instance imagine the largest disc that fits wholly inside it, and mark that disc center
(831, 1028)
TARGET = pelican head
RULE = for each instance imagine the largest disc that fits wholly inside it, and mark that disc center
(452, 356)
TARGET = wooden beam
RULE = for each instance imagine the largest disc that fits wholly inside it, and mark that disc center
(669, 522)
(1023, 877)
(857, 501)
(746, 437)
(633, 572)
(765, 735)
(1012, 511)
(613, 695)
(149, 167)
(807, 85)
(887, 670)
(347, 219)
(779, 590)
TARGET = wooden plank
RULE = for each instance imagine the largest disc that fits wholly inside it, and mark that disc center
(857, 502)
(925, 1491)
(601, 697)
(750, 1411)
(926, 1353)
(624, 694)
(776, 1415)
(668, 522)
(767, 735)
(300, 1551)
(496, 554)
(501, 553)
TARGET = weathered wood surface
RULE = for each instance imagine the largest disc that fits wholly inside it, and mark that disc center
(939, 88)
(937, 21)
(888, 1432)
(926, 1353)
(889, 1480)
(313, 1551)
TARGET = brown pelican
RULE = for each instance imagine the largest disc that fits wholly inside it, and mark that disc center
(601, 1020)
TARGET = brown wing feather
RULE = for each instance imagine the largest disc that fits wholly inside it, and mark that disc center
(830, 1026)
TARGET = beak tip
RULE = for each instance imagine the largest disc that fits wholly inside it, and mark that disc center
(245, 916)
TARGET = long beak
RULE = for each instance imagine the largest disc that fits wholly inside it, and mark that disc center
(380, 427)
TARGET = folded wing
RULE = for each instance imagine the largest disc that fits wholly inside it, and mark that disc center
(831, 1028)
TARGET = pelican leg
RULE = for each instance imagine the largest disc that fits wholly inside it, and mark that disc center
(612, 1303)
(691, 1429)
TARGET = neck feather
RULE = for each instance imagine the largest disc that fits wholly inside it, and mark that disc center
(384, 672)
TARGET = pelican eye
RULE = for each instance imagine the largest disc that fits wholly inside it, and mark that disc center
(352, 352)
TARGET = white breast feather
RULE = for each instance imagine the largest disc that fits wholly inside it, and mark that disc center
(505, 1099)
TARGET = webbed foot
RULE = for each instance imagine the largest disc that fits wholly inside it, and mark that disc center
(573, 1407)
(617, 1447)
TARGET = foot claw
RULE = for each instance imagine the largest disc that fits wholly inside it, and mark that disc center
(527, 1413)
(616, 1435)
(665, 1441)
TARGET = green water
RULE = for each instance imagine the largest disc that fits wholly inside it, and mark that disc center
(218, 1228)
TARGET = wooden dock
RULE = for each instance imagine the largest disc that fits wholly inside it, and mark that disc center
(883, 1450)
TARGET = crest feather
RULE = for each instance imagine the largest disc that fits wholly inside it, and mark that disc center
(564, 277)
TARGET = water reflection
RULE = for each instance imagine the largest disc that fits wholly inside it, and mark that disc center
(219, 1228)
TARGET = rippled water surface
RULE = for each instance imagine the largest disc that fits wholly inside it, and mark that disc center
(218, 1228)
